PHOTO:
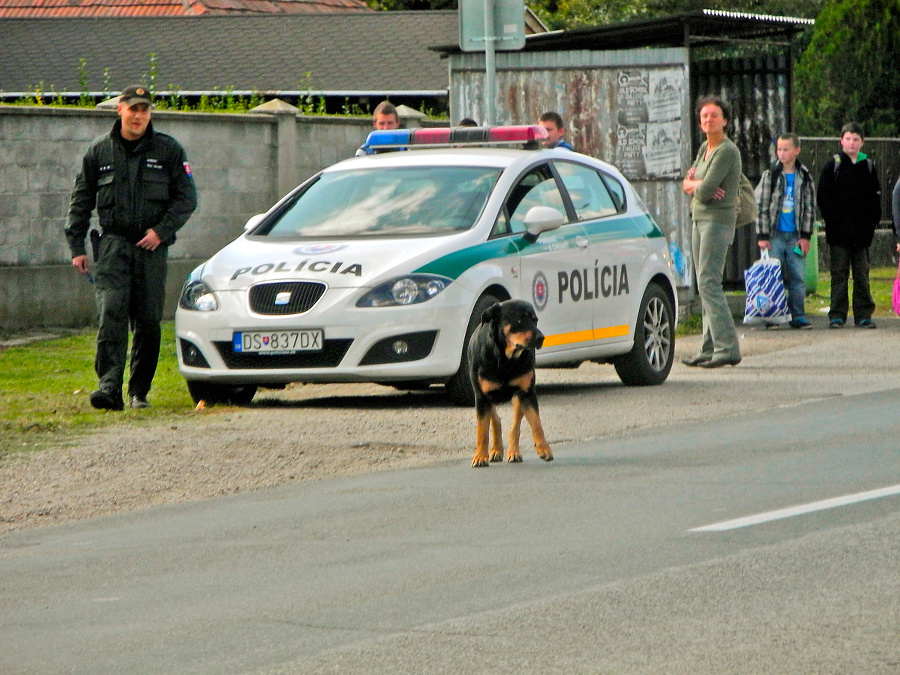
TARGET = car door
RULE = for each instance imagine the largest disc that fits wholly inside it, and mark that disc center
(551, 268)
(615, 253)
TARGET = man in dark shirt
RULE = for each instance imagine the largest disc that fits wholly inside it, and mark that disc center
(141, 185)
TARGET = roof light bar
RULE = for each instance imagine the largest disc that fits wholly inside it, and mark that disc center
(525, 135)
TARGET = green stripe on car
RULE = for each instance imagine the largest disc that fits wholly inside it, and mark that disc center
(455, 264)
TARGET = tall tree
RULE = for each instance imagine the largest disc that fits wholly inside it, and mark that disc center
(849, 71)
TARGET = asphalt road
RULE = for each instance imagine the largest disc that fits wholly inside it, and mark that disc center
(596, 562)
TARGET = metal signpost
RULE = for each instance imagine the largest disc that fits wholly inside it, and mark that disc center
(480, 21)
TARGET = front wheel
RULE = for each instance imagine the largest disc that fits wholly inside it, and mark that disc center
(459, 388)
(229, 394)
(651, 356)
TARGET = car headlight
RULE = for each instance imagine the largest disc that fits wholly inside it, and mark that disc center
(407, 290)
(197, 296)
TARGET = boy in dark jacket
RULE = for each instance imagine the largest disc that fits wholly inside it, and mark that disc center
(849, 197)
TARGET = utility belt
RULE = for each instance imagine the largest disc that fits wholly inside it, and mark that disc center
(97, 235)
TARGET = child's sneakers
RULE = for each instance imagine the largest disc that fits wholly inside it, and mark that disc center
(800, 323)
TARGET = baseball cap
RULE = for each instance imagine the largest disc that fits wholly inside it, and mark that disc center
(136, 93)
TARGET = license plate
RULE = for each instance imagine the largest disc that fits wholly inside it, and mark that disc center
(278, 341)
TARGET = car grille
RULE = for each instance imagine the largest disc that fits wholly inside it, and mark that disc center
(292, 297)
(330, 357)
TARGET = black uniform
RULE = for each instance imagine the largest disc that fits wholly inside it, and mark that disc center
(135, 186)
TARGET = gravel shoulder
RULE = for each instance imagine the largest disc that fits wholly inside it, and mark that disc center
(314, 432)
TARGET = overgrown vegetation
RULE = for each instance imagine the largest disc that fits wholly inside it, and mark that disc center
(849, 71)
(172, 97)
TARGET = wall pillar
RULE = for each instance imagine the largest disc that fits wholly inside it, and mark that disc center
(286, 143)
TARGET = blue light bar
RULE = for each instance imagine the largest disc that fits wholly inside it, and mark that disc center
(387, 138)
(527, 135)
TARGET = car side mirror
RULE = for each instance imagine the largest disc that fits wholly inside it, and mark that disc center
(541, 219)
(254, 221)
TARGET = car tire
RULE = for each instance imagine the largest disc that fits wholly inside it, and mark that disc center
(459, 388)
(651, 356)
(228, 394)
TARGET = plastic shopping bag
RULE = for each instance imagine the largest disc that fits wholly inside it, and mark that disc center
(895, 300)
(766, 300)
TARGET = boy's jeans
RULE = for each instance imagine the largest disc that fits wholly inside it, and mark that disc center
(793, 269)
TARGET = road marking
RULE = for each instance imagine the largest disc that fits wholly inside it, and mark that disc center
(799, 510)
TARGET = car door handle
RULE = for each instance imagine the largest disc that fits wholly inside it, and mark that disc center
(582, 242)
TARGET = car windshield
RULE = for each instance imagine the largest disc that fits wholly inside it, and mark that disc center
(386, 201)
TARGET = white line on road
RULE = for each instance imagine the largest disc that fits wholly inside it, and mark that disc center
(799, 510)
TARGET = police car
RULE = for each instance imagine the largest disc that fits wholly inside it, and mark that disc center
(378, 269)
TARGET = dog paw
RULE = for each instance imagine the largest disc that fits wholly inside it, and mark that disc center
(514, 457)
(547, 456)
(496, 457)
(480, 461)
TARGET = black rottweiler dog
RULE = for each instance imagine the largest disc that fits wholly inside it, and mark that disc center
(501, 359)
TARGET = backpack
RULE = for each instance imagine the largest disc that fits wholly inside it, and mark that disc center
(746, 206)
(837, 163)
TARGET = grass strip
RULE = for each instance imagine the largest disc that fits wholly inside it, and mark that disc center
(44, 389)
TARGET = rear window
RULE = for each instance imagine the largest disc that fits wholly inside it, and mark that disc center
(399, 202)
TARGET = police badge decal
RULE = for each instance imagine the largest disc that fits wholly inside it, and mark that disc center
(539, 291)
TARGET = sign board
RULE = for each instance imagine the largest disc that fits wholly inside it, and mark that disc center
(507, 17)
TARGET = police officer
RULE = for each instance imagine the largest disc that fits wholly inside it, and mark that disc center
(141, 184)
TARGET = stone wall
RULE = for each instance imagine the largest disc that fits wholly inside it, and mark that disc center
(241, 164)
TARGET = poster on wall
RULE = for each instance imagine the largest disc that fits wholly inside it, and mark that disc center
(648, 129)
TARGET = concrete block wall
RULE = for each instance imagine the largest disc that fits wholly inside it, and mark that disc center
(234, 160)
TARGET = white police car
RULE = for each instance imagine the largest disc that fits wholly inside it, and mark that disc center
(378, 269)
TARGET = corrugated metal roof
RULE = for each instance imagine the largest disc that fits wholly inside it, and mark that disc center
(337, 53)
(698, 28)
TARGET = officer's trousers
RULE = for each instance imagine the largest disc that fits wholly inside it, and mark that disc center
(130, 288)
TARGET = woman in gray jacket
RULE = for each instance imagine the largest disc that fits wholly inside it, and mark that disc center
(713, 182)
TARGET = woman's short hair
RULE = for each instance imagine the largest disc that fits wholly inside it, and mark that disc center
(712, 99)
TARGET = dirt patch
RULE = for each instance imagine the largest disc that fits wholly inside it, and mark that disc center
(305, 433)
(313, 432)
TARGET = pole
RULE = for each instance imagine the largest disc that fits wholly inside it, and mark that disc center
(490, 68)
